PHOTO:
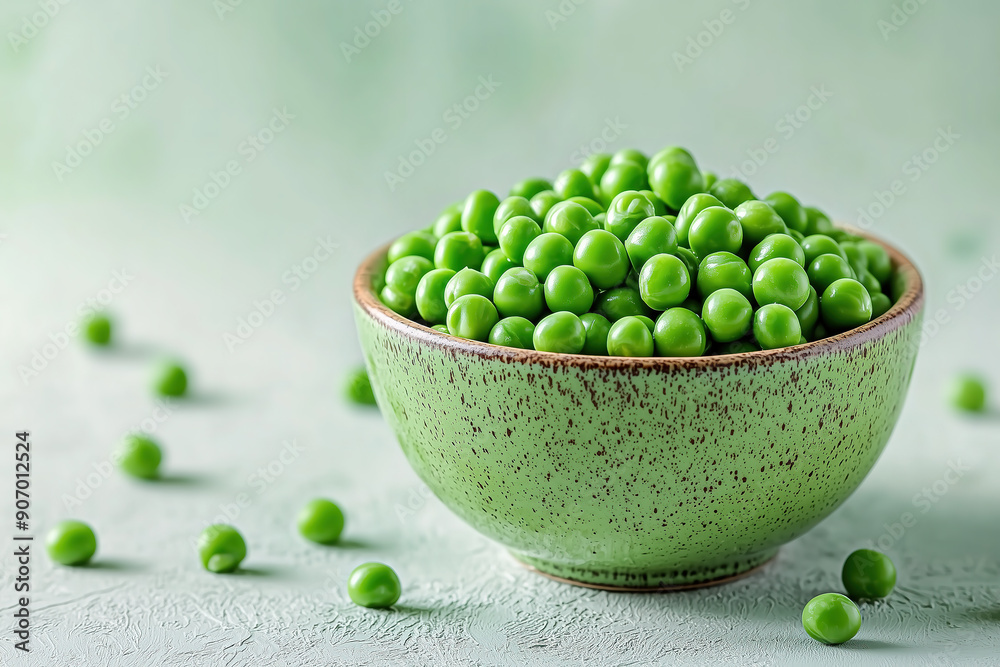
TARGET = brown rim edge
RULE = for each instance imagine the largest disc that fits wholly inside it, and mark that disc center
(900, 314)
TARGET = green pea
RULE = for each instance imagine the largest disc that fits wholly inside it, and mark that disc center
(573, 183)
(597, 327)
(358, 387)
(710, 179)
(170, 379)
(819, 332)
(715, 228)
(694, 205)
(855, 257)
(731, 192)
(592, 206)
(405, 273)
(568, 288)
(691, 262)
(560, 332)
(727, 315)
(625, 213)
(672, 153)
(620, 302)
(664, 282)
(477, 215)
(630, 155)
(652, 236)
(775, 325)
(467, 281)
(543, 202)
(569, 219)
(622, 177)
(880, 304)
(139, 456)
(398, 302)
(459, 250)
(512, 207)
(71, 543)
(790, 210)
(594, 166)
(724, 269)
(797, 235)
(845, 304)
(781, 280)
(674, 178)
(680, 333)
(879, 262)
(831, 618)
(967, 392)
(776, 245)
(420, 244)
(97, 329)
(817, 222)
(374, 585)
(496, 264)
(843, 236)
(868, 575)
(659, 208)
(602, 257)
(808, 312)
(546, 252)
(530, 187)
(868, 280)
(472, 316)
(819, 244)
(759, 221)
(430, 295)
(515, 235)
(825, 269)
(518, 293)
(513, 332)
(630, 337)
(441, 328)
(448, 222)
(221, 548)
(321, 521)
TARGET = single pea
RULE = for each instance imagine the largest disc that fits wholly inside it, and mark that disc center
(652, 236)
(594, 166)
(826, 269)
(879, 262)
(817, 222)
(672, 153)
(790, 210)
(496, 264)
(715, 228)
(511, 207)
(855, 257)
(674, 179)
(71, 543)
(405, 273)
(731, 192)
(441, 328)
(592, 206)
(448, 222)
(321, 521)
(694, 205)
(467, 281)
(759, 221)
(727, 315)
(543, 202)
(819, 244)
(459, 250)
(569, 219)
(597, 327)
(398, 302)
(845, 304)
(420, 244)
(868, 575)
(710, 179)
(560, 332)
(659, 207)
(622, 177)
(139, 456)
(530, 187)
(518, 293)
(97, 329)
(430, 295)
(880, 304)
(221, 548)
(513, 332)
(602, 257)
(170, 379)
(664, 282)
(781, 280)
(374, 585)
(775, 325)
(546, 252)
(808, 312)
(472, 316)
(358, 387)
(690, 262)
(568, 288)
(515, 235)
(630, 337)
(630, 155)
(626, 211)
(724, 269)
(968, 392)
(776, 245)
(680, 333)
(477, 215)
(620, 302)
(573, 183)
(648, 321)
(868, 280)
(797, 235)
(831, 618)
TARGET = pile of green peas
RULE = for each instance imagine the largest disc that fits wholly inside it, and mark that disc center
(634, 256)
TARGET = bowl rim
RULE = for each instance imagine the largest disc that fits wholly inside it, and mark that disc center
(900, 314)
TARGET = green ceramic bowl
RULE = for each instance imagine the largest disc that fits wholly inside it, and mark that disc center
(649, 473)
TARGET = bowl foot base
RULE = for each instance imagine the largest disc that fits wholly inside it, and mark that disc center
(681, 579)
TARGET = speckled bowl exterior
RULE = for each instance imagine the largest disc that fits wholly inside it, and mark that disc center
(640, 473)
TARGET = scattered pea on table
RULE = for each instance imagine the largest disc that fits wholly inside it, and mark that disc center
(374, 585)
(170, 380)
(967, 392)
(71, 543)
(139, 456)
(321, 521)
(221, 548)
(97, 329)
(831, 618)
(358, 387)
(868, 575)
